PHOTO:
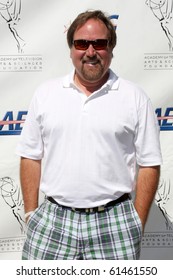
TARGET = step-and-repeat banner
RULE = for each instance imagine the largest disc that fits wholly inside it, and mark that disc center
(33, 49)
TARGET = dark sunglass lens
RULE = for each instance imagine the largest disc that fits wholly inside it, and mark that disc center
(100, 44)
(80, 44)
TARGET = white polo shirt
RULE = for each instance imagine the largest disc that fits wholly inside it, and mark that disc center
(90, 145)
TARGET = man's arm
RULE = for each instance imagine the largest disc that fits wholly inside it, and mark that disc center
(147, 183)
(30, 173)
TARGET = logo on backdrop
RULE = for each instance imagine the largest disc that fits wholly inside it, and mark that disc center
(165, 118)
(11, 14)
(11, 123)
(164, 201)
(162, 10)
(114, 19)
(10, 11)
(11, 195)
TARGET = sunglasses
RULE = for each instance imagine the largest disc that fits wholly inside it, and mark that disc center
(83, 45)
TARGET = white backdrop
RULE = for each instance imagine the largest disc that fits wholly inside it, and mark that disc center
(33, 49)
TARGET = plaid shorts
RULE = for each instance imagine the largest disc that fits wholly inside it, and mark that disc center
(59, 233)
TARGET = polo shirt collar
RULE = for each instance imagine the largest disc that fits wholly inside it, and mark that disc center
(112, 82)
(68, 80)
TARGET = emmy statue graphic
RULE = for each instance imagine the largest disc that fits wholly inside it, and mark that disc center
(11, 195)
(163, 11)
(10, 11)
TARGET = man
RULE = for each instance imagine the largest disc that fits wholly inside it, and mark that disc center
(92, 128)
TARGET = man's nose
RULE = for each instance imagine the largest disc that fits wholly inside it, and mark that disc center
(90, 51)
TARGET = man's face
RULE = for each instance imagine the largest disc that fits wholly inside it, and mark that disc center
(91, 65)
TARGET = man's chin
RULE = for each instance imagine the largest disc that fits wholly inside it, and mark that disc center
(92, 73)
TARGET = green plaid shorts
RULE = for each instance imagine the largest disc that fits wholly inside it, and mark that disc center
(59, 233)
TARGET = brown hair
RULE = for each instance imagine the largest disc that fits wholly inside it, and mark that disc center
(83, 18)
